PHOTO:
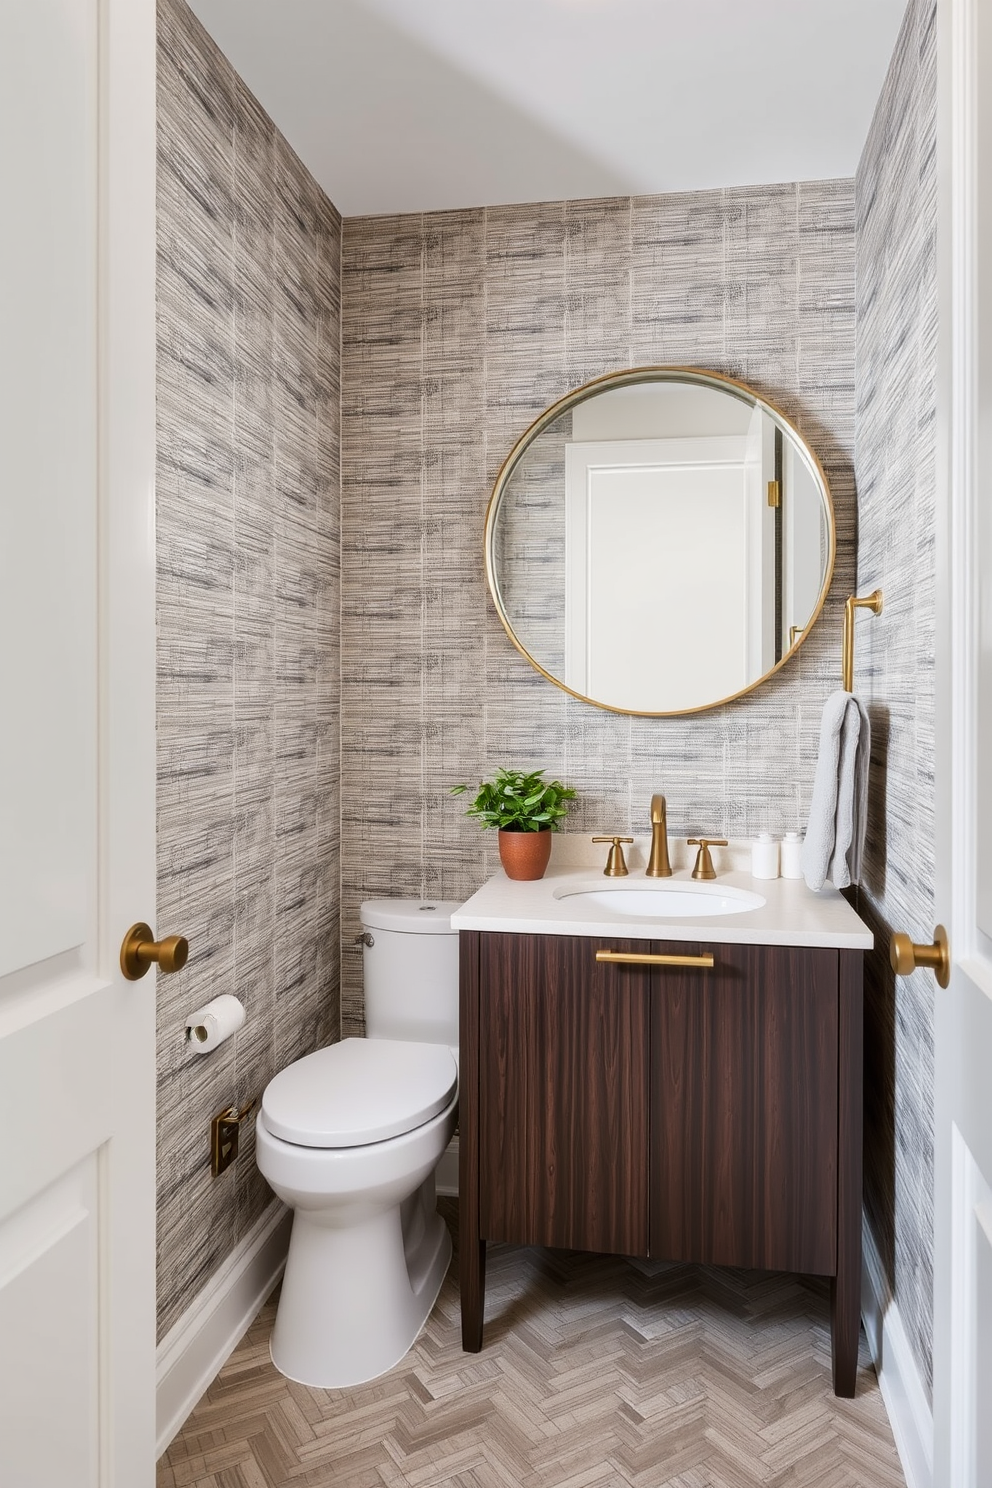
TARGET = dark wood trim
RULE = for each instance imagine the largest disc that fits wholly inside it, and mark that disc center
(471, 1245)
(845, 1287)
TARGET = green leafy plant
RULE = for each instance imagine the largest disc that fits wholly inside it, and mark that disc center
(518, 802)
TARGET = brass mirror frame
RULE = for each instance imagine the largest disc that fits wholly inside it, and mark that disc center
(631, 377)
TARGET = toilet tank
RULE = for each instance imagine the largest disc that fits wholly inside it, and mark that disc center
(410, 959)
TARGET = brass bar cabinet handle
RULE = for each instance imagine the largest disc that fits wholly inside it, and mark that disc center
(139, 949)
(905, 956)
(638, 958)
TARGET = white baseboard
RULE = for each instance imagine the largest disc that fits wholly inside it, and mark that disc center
(191, 1354)
(902, 1389)
(446, 1176)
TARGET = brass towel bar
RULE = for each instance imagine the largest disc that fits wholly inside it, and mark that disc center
(636, 958)
(871, 602)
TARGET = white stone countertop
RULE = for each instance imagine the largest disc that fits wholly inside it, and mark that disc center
(792, 914)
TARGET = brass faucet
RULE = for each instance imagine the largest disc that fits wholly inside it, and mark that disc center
(659, 865)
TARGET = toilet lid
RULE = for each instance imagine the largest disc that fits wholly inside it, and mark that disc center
(359, 1091)
(409, 916)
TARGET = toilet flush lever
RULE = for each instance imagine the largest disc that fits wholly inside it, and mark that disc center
(225, 1130)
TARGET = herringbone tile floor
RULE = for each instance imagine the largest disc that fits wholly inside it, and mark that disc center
(596, 1372)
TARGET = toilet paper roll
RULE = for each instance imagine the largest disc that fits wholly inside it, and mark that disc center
(212, 1024)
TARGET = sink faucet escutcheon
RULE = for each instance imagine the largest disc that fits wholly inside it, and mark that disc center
(659, 865)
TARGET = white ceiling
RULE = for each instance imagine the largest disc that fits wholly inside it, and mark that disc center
(419, 105)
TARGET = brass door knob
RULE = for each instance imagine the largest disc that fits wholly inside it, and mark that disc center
(905, 956)
(139, 949)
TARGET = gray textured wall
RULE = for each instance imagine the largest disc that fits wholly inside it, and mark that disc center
(457, 329)
(248, 671)
(895, 460)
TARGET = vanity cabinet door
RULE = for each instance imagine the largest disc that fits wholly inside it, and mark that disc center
(563, 1094)
(744, 1093)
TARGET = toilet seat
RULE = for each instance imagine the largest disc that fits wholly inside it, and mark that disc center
(359, 1091)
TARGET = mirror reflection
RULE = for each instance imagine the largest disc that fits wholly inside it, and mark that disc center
(659, 541)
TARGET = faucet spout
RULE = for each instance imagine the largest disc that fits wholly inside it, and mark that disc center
(659, 865)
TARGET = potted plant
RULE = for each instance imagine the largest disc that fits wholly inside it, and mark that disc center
(526, 809)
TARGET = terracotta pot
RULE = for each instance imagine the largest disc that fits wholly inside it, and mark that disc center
(524, 854)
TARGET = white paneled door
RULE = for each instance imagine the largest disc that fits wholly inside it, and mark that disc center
(77, 789)
(963, 1010)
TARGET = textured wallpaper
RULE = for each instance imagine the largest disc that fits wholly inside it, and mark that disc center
(529, 546)
(248, 669)
(895, 461)
(458, 328)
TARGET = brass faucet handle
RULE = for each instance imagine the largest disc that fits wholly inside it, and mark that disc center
(704, 863)
(615, 865)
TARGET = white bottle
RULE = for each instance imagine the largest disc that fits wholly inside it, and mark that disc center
(764, 857)
(792, 855)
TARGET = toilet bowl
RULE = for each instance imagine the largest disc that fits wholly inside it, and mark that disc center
(349, 1137)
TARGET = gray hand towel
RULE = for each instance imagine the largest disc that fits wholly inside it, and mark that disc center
(835, 835)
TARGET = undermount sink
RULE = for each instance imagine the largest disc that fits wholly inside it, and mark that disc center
(665, 900)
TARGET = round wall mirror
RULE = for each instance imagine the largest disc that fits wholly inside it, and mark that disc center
(659, 541)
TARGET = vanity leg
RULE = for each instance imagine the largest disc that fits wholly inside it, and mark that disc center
(845, 1329)
(471, 1248)
(845, 1287)
(473, 1288)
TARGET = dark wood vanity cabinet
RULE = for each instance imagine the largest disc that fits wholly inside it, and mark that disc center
(683, 1113)
(744, 1113)
(563, 1130)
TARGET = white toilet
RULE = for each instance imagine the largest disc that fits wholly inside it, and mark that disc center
(349, 1138)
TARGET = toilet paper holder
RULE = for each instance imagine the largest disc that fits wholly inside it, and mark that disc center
(225, 1131)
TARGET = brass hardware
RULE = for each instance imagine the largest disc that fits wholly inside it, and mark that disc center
(905, 956)
(615, 865)
(871, 602)
(635, 376)
(795, 630)
(774, 493)
(225, 1130)
(659, 865)
(139, 949)
(637, 958)
(704, 863)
